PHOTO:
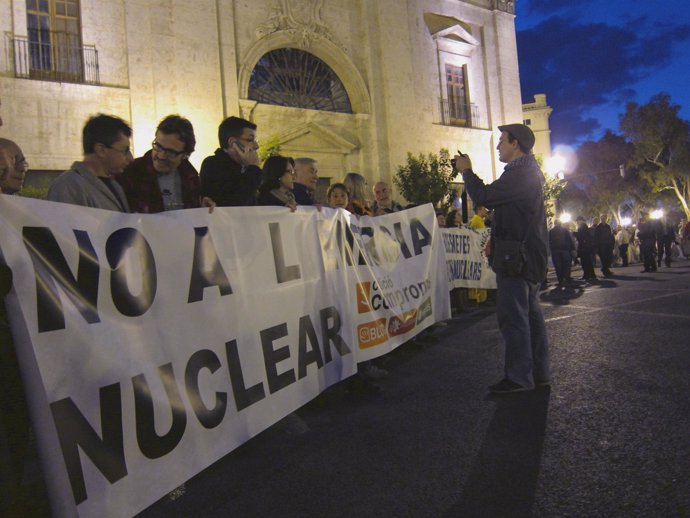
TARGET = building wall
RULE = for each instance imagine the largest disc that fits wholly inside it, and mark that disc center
(536, 116)
(159, 57)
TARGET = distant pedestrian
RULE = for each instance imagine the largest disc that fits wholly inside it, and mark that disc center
(585, 249)
(604, 242)
(646, 233)
(623, 242)
(563, 250)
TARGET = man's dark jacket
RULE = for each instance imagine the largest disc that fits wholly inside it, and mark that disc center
(603, 236)
(140, 182)
(517, 200)
(226, 183)
(303, 194)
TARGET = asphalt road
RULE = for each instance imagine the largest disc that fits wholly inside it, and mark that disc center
(610, 438)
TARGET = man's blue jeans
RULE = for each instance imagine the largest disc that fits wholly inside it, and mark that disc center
(521, 322)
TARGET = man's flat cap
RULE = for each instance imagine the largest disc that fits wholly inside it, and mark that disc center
(521, 132)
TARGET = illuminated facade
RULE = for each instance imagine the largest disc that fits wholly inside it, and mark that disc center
(536, 115)
(354, 83)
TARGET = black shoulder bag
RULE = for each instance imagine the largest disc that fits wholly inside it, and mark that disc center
(509, 257)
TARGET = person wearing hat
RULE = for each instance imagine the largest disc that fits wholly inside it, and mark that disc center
(519, 217)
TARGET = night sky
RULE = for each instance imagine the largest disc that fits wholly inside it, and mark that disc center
(592, 57)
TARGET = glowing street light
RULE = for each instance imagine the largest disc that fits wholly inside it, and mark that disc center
(625, 222)
(565, 217)
(657, 214)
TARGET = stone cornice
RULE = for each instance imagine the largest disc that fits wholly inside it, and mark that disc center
(507, 6)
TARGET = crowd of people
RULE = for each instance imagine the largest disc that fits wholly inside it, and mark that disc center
(650, 241)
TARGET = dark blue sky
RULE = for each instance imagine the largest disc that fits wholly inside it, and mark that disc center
(592, 57)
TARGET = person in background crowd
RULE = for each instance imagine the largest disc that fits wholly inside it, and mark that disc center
(306, 178)
(163, 179)
(519, 215)
(279, 178)
(592, 232)
(646, 233)
(441, 219)
(231, 176)
(622, 242)
(356, 188)
(478, 222)
(563, 250)
(684, 238)
(455, 200)
(92, 183)
(453, 219)
(604, 242)
(665, 238)
(585, 249)
(384, 204)
(337, 197)
(13, 167)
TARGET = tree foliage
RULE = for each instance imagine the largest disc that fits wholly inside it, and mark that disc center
(662, 146)
(597, 185)
(425, 178)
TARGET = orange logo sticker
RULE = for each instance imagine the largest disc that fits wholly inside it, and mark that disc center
(363, 297)
(372, 333)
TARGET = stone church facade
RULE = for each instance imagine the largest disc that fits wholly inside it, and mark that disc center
(354, 83)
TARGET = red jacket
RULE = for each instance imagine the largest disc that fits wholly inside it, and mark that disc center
(140, 182)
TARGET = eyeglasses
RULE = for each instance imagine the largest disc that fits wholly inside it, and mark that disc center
(172, 153)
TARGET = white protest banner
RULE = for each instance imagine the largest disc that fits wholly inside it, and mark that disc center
(153, 345)
(468, 266)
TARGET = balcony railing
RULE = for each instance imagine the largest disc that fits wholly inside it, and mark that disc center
(59, 57)
(456, 112)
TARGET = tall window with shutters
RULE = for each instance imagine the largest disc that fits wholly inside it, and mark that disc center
(456, 89)
(54, 38)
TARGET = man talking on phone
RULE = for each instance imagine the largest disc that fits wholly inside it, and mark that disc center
(231, 176)
(519, 230)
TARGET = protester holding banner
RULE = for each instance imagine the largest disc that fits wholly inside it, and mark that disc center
(164, 179)
(519, 228)
(477, 223)
(13, 167)
(279, 178)
(91, 183)
(231, 176)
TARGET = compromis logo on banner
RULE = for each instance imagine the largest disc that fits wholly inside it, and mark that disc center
(372, 333)
(371, 296)
(401, 324)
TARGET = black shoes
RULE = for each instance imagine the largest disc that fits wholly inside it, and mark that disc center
(507, 387)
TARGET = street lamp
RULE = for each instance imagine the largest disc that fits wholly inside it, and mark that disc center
(657, 214)
(565, 218)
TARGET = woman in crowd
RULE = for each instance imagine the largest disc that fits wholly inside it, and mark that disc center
(357, 187)
(279, 177)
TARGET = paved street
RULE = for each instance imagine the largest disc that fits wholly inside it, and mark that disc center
(610, 438)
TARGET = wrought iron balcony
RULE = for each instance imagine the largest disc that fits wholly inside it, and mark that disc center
(55, 56)
(456, 112)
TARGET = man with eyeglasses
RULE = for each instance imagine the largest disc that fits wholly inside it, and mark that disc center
(13, 167)
(231, 176)
(92, 183)
(163, 179)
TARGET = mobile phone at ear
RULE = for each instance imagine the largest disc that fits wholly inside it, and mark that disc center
(239, 145)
